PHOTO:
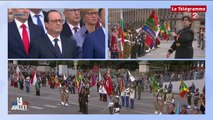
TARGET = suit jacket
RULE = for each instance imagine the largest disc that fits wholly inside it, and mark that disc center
(43, 48)
(94, 45)
(45, 17)
(66, 32)
(15, 44)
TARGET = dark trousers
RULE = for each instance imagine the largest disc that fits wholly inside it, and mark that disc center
(21, 85)
(101, 96)
(202, 109)
(189, 99)
(73, 90)
(38, 92)
(27, 89)
(127, 101)
(131, 103)
(122, 100)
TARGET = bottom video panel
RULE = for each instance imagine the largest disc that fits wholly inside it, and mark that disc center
(106, 87)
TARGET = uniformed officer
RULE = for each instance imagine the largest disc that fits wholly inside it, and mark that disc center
(84, 101)
(189, 97)
(196, 98)
(158, 103)
(64, 92)
(170, 97)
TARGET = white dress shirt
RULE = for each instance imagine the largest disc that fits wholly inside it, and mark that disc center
(71, 27)
(53, 42)
(41, 17)
(18, 24)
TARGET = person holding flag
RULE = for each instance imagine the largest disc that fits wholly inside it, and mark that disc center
(35, 82)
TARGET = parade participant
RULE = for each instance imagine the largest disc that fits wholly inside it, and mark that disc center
(165, 91)
(114, 43)
(27, 84)
(202, 101)
(170, 97)
(122, 97)
(139, 88)
(183, 41)
(132, 97)
(21, 82)
(158, 103)
(196, 98)
(116, 105)
(127, 93)
(183, 109)
(189, 97)
(64, 93)
(171, 108)
(37, 88)
(170, 86)
(141, 43)
(84, 100)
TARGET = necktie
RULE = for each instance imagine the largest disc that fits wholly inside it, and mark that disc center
(25, 38)
(57, 49)
(39, 23)
(75, 29)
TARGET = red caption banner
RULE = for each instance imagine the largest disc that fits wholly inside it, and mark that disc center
(191, 8)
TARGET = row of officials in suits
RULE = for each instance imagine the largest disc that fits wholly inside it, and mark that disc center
(34, 33)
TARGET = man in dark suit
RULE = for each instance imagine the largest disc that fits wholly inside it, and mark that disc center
(94, 44)
(21, 33)
(52, 45)
(72, 22)
(37, 16)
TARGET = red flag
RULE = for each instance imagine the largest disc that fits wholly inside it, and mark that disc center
(108, 84)
(148, 41)
(93, 79)
(33, 80)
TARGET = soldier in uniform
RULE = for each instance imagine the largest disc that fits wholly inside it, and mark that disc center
(170, 97)
(158, 103)
(196, 98)
(189, 97)
(84, 101)
(27, 84)
(116, 105)
(64, 92)
(127, 49)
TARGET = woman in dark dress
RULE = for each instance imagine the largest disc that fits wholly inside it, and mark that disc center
(183, 41)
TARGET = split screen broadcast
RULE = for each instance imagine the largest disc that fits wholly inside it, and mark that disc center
(142, 61)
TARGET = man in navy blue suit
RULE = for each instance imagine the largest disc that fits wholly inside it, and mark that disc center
(21, 33)
(94, 43)
(53, 45)
(37, 16)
